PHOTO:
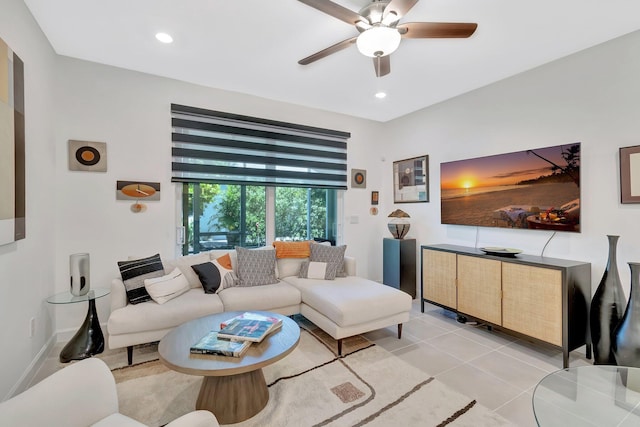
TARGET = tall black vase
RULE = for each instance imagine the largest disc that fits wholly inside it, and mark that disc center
(607, 307)
(626, 337)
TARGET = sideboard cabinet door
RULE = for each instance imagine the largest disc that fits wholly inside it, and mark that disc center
(532, 301)
(480, 288)
(439, 277)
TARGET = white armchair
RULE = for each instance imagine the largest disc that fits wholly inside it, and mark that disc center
(81, 394)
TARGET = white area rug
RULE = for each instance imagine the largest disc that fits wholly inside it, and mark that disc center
(312, 387)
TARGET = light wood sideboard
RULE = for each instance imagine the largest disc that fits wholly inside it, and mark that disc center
(536, 298)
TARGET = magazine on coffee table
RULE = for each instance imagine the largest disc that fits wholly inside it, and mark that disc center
(210, 344)
(277, 322)
(246, 330)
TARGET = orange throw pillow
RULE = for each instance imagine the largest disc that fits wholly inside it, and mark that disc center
(225, 261)
(293, 249)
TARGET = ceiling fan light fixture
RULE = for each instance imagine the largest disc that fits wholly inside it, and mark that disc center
(378, 41)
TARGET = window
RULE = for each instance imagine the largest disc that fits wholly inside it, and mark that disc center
(305, 213)
(220, 216)
(249, 181)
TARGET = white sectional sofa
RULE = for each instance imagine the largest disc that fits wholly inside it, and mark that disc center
(342, 307)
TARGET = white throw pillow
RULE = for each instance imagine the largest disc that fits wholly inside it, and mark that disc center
(318, 270)
(164, 288)
(184, 263)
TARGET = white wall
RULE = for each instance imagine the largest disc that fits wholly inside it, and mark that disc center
(590, 97)
(27, 266)
(130, 111)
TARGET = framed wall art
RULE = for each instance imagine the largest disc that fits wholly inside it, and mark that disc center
(358, 178)
(12, 147)
(630, 174)
(374, 197)
(87, 156)
(136, 190)
(411, 180)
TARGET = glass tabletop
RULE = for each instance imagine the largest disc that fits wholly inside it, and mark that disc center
(67, 298)
(597, 395)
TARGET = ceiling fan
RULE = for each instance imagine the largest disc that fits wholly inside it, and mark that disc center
(380, 30)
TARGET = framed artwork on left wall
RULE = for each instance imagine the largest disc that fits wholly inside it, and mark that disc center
(12, 147)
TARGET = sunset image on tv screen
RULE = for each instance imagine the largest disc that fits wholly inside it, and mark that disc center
(535, 189)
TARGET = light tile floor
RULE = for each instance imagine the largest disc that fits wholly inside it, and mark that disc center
(498, 370)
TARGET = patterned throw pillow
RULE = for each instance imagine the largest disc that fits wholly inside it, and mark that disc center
(214, 277)
(228, 277)
(134, 272)
(165, 288)
(256, 266)
(318, 270)
(330, 254)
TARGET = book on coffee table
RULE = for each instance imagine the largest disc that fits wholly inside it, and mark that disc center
(277, 322)
(246, 330)
(210, 344)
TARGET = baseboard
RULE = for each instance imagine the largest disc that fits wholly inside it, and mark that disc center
(61, 336)
(30, 372)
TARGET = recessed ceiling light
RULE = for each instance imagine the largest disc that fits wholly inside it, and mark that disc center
(164, 38)
(381, 94)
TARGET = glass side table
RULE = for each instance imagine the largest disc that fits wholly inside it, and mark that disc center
(594, 395)
(89, 340)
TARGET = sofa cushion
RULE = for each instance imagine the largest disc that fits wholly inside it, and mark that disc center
(134, 272)
(351, 300)
(318, 270)
(184, 263)
(215, 277)
(256, 267)
(292, 249)
(149, 316)
(162, 289)
(261, 298)
(289, 266)
(332, 254)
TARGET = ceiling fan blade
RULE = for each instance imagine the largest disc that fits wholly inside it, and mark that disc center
(399, 7)
(335, 10)
(328, 51)
(432, 30)
(382, 65)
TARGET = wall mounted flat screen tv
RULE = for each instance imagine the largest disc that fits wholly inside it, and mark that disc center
(531, 189)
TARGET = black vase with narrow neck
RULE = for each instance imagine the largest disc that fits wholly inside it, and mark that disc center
(607, 308)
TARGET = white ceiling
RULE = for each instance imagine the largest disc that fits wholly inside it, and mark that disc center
(252, 46)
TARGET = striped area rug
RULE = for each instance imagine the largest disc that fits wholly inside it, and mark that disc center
(313, 387)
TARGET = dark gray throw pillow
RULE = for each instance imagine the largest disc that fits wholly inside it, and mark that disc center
(329, 254)
(133, 273)
(209, 275)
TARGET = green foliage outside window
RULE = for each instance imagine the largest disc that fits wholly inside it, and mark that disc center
(225, 216)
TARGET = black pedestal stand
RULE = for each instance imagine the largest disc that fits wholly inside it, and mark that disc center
(88, 341)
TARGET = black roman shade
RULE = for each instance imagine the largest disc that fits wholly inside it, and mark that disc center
(217, 147)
